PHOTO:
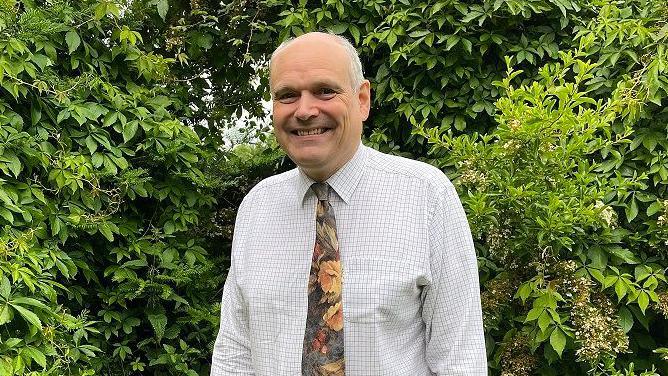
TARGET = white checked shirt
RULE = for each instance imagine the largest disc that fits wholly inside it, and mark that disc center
(411, 298)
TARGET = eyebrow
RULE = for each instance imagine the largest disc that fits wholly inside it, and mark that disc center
(281, 89)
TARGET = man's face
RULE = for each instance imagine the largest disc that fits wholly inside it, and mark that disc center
(317, 113)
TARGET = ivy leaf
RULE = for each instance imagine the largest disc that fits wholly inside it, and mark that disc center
(73, 41)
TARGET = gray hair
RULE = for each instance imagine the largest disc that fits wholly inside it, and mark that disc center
(355, 69)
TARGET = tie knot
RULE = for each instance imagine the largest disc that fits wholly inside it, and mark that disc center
(321, 190)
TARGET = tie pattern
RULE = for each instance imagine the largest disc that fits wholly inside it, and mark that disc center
(323, 340)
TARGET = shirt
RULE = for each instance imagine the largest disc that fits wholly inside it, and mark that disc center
(411, 295)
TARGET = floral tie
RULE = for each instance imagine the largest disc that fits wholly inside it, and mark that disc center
(323, 340)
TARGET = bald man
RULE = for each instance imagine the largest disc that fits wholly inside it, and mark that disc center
(356, 262)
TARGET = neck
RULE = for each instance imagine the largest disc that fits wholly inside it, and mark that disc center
(322, 173)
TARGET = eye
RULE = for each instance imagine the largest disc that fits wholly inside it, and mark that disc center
(326, 93)
(286, 97)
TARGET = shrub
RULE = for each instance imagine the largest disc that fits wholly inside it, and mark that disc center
(101, 271)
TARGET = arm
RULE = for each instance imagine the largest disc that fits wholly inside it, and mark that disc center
(231, 351)
(451, 305)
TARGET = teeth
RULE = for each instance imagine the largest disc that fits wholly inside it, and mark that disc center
(311, 131)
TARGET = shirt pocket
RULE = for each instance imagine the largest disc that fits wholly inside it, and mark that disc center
(267, 321)
(378, 290)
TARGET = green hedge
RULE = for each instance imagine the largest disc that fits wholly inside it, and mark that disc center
(560, 161)
(118, 201)
(101, 271)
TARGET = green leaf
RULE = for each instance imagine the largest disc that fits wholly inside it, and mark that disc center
(631, 210)
(35, 114)
(460, 123)
(28, 315)
(6, 313)
(624, 254)
(23, 300)
(91, 144)
(73, 40)
(7, 215)
(544, 321)
(130, 130)
(620, 289)
(11, 342)
(654, 208)
(534, 313)
(599, 259)
(641, 272)
(5, 287)
(598, 275)
(13, 162)
(106, 231)
(391, 39)
(163, 7)
(643, 301)
(36, 355)
(339, 28)
(625, 319)
(558, 341)
(355, 32)
(169, 227)
(159, 323)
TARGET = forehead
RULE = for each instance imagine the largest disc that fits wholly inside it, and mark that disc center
(310, 61)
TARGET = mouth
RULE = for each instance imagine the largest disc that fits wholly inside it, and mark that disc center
(310, 132)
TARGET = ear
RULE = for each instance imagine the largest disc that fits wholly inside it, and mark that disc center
(364, 97)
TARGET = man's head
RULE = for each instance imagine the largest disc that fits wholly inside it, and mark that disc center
(320, 100)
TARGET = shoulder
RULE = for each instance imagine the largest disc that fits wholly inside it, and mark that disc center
(430, 177)
(279, 184)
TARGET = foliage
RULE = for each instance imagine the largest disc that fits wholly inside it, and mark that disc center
(118, 201)
(566, 278)
(100, 269)
(217, 48)
(433, 63)
(560, 164)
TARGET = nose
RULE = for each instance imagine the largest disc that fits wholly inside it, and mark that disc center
(306, 107)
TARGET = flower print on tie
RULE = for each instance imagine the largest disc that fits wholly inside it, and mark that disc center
(323, 340)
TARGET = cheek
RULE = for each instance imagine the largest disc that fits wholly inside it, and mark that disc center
(280, 113)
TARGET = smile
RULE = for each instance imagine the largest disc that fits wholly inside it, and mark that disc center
(311, 132)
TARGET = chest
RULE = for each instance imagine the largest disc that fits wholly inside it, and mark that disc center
(384, 255)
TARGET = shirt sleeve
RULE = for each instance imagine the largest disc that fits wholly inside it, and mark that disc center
(455, 340)
(231, 351)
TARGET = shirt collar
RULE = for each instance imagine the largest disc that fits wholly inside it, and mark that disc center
(343, 182)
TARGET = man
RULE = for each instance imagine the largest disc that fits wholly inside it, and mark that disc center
(390, 284)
